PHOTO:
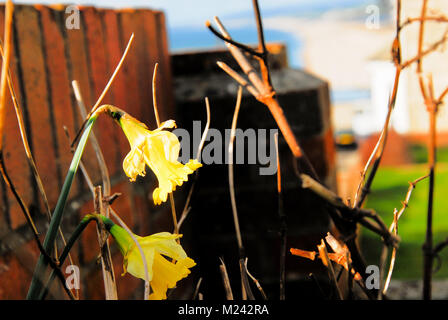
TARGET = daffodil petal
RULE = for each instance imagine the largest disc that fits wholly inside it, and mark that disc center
(159, 150)
(166, 244)
(134, 164)
(167, 274)
(135, 263)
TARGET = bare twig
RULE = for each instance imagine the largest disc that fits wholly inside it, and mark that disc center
(440, 18)
(9, 8)
(94, 142)
(283, 226)
(327, 262)
(377, 153)
(264, 66)
(225, 280)
(424, 53)
(106, 88)
(140, 249)
(265, 94)
(156, 114)
(245, 287)
(356, 214)
(231, 179)
(108, 201)
(196, 291)
(235, 75)
(232, 42)
(154, 93)
(106, 257)
(187, 207)
(394, 228)
(257, 283)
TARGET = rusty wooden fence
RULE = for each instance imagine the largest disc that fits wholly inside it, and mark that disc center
(47, 57)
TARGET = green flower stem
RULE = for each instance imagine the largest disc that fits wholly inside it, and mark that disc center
(74, 237)
(79, 229)
(36, 284)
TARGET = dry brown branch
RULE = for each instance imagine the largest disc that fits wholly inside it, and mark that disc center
(327, 262)
(9, 8)
(156, 114)
(265, 92)
(394, 228)
(107, 201)
(377, 153)
(424, 53)
(427, 92)
(140, 249)
(106, 88)
(110, 286)
(6, 79)
(283, 225)
(356, 214)
(94, 142)
(257, 283)
(225, 280)
(245, 287)
(235, 75)
(154, 93)
(196, 291)
(187, 207)
(440, 18)
(230, 171)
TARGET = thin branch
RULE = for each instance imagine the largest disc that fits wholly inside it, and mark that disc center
(393, 255)
(355, 214)
(245, 287)
(156, 114)
(94, 142)
(283, 226)
(266, 96)
(440, 18)
(238, 78)
(120, 221)
(257, 283)
(205, 132)
(424, 53)
(230, 171)
(232, 42)
(106, 88)
(187, 207)
(440, 246)
(377, 153)
(327, 262)
(196, 291)
(154, 93)
(225, 280)
(140, 249)
(9, 9)
(106, 257)
(264, 66)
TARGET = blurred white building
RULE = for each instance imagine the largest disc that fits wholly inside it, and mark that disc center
(370, 119)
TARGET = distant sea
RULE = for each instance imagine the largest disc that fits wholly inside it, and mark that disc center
(196, 38)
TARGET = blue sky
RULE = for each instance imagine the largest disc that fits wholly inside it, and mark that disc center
(196, 12)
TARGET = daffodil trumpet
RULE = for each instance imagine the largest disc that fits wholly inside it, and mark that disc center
(36, 285)
(158, 149)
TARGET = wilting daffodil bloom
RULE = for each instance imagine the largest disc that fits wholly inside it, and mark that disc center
(159, 149)
(163, 273)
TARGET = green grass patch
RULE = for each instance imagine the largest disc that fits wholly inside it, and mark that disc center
(388, 191)
(419, 153)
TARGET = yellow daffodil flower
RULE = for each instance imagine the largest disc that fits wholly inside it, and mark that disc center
(163, 273)
(159, 149)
